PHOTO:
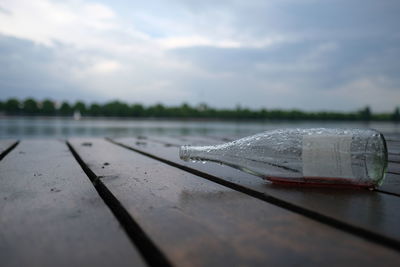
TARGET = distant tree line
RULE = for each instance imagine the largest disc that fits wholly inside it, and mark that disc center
(47, 107)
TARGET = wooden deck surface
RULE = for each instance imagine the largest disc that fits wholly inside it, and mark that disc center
(133, 202)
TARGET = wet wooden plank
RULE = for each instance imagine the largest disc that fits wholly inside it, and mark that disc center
(393, 167)
(51, 215)
(393, 150)
(393, 145)
(391, 184)
(196, 222)
(367, 210)
(172, 140)
(392, 137)
(5, 146)
(394, 158)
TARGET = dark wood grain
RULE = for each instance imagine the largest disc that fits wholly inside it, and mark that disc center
(51, 215)
(394, 158)
(6, 146)
(391, 184)
(196, 222)
(393, 147)
(394, 167)
(172, 140)
(370, 211)
(392, 137)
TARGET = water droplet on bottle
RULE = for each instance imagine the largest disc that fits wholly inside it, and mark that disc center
(204, 162)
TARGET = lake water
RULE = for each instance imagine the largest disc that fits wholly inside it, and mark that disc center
(35, 127)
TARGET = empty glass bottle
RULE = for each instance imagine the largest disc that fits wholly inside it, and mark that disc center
(319, 156)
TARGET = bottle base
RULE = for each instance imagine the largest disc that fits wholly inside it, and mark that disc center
(320, 182)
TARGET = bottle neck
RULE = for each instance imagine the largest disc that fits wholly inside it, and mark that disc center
(196, 152)
(184, 153)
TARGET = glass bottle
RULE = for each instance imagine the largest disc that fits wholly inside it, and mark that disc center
(317, 156)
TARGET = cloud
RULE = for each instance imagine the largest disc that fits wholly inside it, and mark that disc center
(276, 54)
(34, 70)
(106, 67)
(44, 21)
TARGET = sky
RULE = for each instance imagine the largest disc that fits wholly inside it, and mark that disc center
(287, 54)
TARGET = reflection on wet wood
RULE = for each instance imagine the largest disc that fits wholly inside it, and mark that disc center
(51, 215)
(323, 201)
(133, 202)
(196, 222)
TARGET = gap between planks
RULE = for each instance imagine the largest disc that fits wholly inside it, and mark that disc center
(149, 251)
(9, 149)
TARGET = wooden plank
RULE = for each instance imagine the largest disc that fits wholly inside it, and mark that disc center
(394, 167)
(393, 150)
(394, 145)
(51, 215)
(391, 184)
(392, 137)
(171, 140)
(6, 146)
(196, 222)
(394, 158)
(350, 207)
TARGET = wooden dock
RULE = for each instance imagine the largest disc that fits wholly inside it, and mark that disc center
(133, 202)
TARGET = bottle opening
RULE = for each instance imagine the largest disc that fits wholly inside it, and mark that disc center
(184, 152)
(376, 163)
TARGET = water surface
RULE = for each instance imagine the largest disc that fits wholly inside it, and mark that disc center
(39, 127)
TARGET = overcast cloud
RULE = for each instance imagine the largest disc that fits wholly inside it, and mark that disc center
(312, 55)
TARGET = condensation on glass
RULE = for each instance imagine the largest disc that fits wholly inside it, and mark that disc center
(318, 156)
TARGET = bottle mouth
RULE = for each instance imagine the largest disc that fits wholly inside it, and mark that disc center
(184, 152)
(377, 163)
